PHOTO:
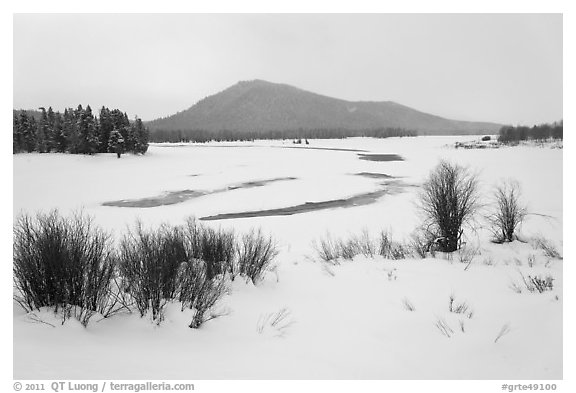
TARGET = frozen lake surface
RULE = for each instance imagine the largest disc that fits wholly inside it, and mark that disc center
(207, 180)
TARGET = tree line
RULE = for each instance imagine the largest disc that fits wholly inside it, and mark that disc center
(78, 131)
(510, 134)
(174, 136)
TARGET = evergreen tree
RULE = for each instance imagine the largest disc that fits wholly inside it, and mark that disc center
(59, 137)
(27, 132)
(140, 135)
(50, 132)
(78, 131)
(42, 133)
(70, 129)
(116, 143)
(16, 134)
(106, 127)
(87, 130)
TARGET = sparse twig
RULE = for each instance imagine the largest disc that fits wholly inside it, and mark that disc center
(408, 304)
(444, 328)
(280, 321)
(503, 331)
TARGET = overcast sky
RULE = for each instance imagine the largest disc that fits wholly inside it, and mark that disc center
(501, 68)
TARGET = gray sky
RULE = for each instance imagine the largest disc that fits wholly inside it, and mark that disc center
(501, 68)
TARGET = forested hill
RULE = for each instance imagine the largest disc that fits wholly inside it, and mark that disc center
(264, 107)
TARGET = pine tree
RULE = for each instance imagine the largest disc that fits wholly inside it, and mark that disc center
(140, 135)
(87, 131)
(116, 143)
(42, 133)
(50, 132)
(16, 134)
(106, 127)
(26, 132)
(60, 141)
(70, 129)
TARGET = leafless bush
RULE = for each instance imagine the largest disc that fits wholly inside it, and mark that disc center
(538, 283)
(118, 299)
(217, 249)
(327, 249)
(159, 266)
(209, 292)
(65, 263)
(348, 249)
(365, 244)
(549, 249)
(391, 249)
(197, 292)
(330, 249)
(460, 308)
(149, 262)
(255, 254)
(534, 283)
(508, 212)
(419, 244)
(449, 201)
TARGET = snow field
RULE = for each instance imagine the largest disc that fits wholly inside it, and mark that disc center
(343, 321)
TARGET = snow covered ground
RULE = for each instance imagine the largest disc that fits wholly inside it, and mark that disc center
(345, 321)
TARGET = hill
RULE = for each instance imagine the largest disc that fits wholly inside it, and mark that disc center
(260, 106)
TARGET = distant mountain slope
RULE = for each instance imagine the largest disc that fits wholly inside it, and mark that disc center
(263, 106)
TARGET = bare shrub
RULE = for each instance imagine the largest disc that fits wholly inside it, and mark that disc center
(197, 292)
(65, 263)
(217, 249)
(365, 244)
(390, 249)
(159, 266)
(533, 283)
(118, 300)
(549, 249)
(419, 244)
(327, 249)
(460, 308)
(538, 283)
(348, 249)
(255, 254)
(330, 249)
(210, 291)
(149, 262)
(509, 212)
(449, 201)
